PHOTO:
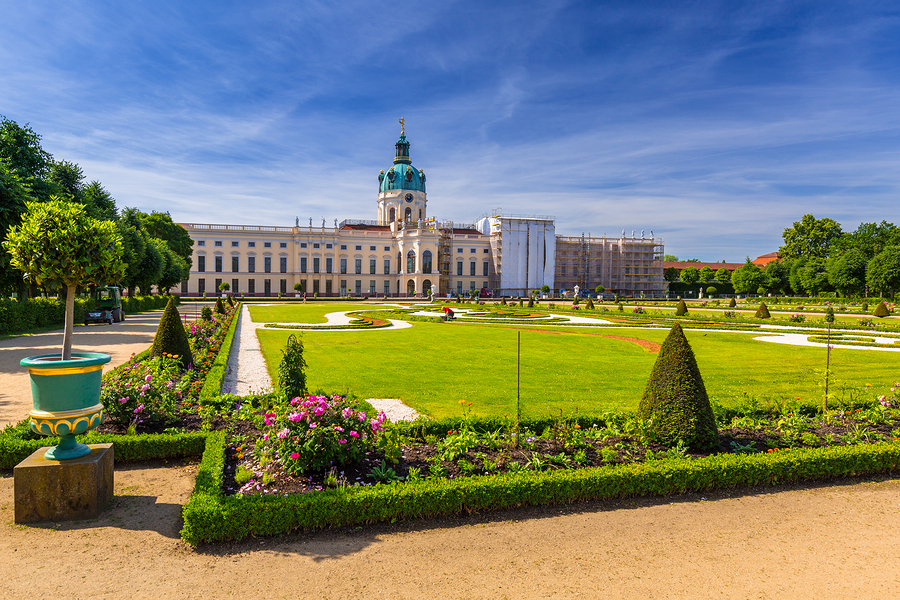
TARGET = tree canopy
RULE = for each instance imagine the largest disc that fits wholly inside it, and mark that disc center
(810, 237)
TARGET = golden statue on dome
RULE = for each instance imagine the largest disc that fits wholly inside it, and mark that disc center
(402, 126)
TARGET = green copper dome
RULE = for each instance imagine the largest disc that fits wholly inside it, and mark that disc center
(402, 176)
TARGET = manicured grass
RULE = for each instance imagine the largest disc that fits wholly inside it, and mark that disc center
(301, 313)
(433, 366)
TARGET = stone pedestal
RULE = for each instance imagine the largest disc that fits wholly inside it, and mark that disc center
(51, 490)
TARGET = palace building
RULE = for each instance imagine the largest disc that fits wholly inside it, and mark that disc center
(406, 252)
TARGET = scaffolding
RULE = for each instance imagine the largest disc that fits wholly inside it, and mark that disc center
(624, 266)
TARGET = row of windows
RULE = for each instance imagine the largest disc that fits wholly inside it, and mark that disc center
(484, 268)
(472, 251)
(236, 266)
(315, 245)
(317, 288)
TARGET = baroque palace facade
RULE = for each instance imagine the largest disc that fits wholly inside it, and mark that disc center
(406, 252)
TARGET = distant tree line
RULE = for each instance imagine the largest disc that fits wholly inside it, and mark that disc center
(157, 251)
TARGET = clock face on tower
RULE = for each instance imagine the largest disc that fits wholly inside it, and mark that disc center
(409, 197)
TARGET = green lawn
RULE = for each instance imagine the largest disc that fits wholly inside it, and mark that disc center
(301, 313)
(432, 366)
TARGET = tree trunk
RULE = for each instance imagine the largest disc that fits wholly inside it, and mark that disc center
(70, 318)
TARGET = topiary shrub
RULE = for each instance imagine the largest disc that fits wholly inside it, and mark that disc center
(502, 301)
(675, 398)
(231, 301)
(206, 313)
(681, 309)
(531, 302)
(733, 303)
(171, 338)
(711, 291)
(865, 307)
(590, 304)
(291, 371)
(762, 312)
(521, 303)
(621, 308)
(220, 308)
(881, 310)
(829, 315)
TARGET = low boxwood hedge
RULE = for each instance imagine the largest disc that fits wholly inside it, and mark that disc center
(212, 387)
(209, 516)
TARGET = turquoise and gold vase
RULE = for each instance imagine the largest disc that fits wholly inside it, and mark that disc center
(66, 399)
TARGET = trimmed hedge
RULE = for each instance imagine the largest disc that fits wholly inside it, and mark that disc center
(19, 317)
(209, 516)
(212, 387)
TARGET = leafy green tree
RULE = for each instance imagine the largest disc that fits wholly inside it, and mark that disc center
(723, 275)
(21, 148)
(775, 277)
(814, 277)
(671, 274)
(883, 271)
(176, 271)
(670, 258)
(690, 275)
(152, 266)
(847, 272)
(99, 202)
(706, 274)
(870, 238)
(68, 179)
(746, 279)
(58, 242)
(14, 194)
(134, 244)
(810, 237)
(599, 289)
(160, 225)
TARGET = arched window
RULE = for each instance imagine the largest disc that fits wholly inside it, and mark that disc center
(399, 265)
(420, 214)
(426, 286)
(426, 261)
(410, 288)
(407, 215)
(411, 261)
(393, 215)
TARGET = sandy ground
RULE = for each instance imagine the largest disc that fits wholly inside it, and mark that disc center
(820, 541)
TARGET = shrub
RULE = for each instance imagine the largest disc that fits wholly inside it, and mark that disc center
(206, 313)
(590, 304)
(502, 301)
(762, 312)
(291, 374)
(315, 433)
(231, 301)
(864, 307)
(621, 308)
(711, 291)
(797, 318)
(829, 315)
(220, 309)
(881, 310)
(145, 391)
(675, 398)
(171, 338)
(732, 303)
(681, 309)
(531, 302)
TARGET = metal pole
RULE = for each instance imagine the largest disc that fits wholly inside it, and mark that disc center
(518, 383)
(827, 371)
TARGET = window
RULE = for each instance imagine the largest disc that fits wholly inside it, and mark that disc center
(251, 244)
(472, 251)
(235, 264)
(343, 246)
(303, 244)
(315, 245)
(316, 287)
(328, 287)
(251, 286)
(283, 286)
(201, 286)
(459, 250)
(358, 287)
(359, 247)
(472, 268)
(234, 244)
(358, 266)
(387, 288)
(459, 287)
(267, 245)
(328, 246)
(201, 263)
(282, 264)
(484, 270)
(472, 286)
(315, 264)
(459, 267)
(251, 264)
(218, 264)
(282, 245)
(218, 243)
(184, 287)
(371, 248)
(303, 264)
(407, 214)
(343, 266)
(411, 261)
(267, 264)
(387, 266)
(387, 248)
(235, 284)
(201, 242)
(393, 215)
(217, 291)
(329, 265)
(426, 261)
(371, 287)
(372, 266)
(487, 251)
(267, 287)
(343, 287)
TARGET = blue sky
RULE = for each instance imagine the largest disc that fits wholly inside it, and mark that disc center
(713, 124)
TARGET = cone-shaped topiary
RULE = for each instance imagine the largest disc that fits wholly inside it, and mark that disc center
(881, 310)
(681, 309)
(292, 369)
(590, 304)
(675, 397)
(502, 301)
(531, 302)
(231, 301)
(762, 312)
(733, 303)
(171, 338)
(220, 308)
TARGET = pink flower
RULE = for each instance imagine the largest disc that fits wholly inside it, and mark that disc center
(294, 417)
(353, 434)
(313, 425)
(342, 441)
(139, 408)
(283, 433)
(123, 400)
(145, 387)
(148, 378)
(295, 455)
(346, 413)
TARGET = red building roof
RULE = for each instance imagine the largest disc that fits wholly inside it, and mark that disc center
(699, 265)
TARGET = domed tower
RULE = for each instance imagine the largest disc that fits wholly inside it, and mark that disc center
(401, 190)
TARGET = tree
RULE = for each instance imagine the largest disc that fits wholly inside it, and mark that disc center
(14, 194)
(58, 242)
(706, 274)
(599, 289)
(883, 271)
(675, 397)
(21, 148)
(810, 237)
(545, 289)
(161, 226)
(794, 268)
(176, 271)
(723, 275)
(775, 277)
(670, 258)
(690, 275)
(152, 266)
(847, 272)
(870, 238)
(671, 274)
(100, 204)
(762, 312)
(746, 279)
(68, 179)
(813, 276)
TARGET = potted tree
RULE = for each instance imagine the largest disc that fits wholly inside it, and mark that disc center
(298, 289)
(58, 244)
(224, 287)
